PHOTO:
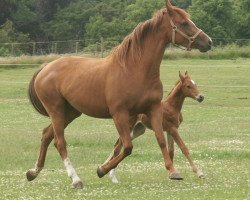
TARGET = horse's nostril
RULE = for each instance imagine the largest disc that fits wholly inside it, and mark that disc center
(210, 42)
(200, 98)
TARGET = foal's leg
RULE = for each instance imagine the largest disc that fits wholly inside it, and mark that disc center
(170, 146)
(137, 130)
(156, 122)
(121, 121)
(175, 134)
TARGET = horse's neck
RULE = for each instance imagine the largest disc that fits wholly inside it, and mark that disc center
(176, 98)
(152, 55)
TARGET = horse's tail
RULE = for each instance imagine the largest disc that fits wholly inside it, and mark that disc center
(37, 104)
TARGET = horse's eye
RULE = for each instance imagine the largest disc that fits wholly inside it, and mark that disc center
(184, 24)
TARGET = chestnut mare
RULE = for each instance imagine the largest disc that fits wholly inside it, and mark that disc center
(120, 86)
(172, 119)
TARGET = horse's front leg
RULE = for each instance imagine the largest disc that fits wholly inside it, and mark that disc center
(121, 120)
(185, 151)
(156, 122)
(138, 129)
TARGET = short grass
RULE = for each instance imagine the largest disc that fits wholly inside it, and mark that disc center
(216, 131)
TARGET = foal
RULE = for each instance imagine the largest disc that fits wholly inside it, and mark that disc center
(172, 118)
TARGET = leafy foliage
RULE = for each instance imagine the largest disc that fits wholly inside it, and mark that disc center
(46, 20)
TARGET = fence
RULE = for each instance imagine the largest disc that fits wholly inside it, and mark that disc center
(57, 47)
(98, 48)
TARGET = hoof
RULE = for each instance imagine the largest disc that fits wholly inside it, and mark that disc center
(139, 128)
(100, 172)
(175, 176)
(202, 176)
(77, 185)
(31, 175)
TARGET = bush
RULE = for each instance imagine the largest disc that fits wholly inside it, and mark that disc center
(226, 52)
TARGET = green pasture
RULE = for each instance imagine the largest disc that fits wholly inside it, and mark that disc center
(216, 131)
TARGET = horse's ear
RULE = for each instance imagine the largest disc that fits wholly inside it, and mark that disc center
(182, 78)
(169, 8)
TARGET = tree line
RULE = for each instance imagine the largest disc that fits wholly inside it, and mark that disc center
(46, 20)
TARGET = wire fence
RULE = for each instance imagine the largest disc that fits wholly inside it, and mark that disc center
(98, 48)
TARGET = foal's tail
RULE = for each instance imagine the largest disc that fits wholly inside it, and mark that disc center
(37, 104)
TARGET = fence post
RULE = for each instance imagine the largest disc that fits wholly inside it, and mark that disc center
(12, 49)
(77, 44)
(34, 48)
(96, 48)
(55, 47)
(102, 46)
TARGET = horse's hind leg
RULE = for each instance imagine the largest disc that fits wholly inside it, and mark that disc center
(60, 121)
(47, 137)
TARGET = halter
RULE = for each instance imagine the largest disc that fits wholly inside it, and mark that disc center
(190, 39)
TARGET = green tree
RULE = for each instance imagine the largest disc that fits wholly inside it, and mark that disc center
(215, 17)
(241, 12)
(69, 22)
(8, 34)
(121, 24)
(182, 3)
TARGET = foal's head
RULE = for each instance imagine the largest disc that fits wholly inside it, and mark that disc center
(183, 31)
(189, 87)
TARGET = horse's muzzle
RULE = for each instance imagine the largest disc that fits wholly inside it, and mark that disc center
(200, 98)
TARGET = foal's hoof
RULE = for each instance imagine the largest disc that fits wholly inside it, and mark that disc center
(202, 176)
(31, 175)
(175, 176)
(100, 172)
(77, 185)
(139, 128)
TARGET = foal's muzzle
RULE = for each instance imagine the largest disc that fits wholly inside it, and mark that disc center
(200, 98)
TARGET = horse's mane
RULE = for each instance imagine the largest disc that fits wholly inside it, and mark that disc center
(134, 41)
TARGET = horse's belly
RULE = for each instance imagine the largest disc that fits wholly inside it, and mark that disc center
(94, 108)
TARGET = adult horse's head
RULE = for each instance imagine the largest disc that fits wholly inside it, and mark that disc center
(189, 88)
(184, 31)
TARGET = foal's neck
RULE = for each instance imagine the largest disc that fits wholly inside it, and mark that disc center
(176, 98)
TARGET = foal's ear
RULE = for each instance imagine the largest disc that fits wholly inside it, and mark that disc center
(186, 74)
(182, 78)
(169, 8)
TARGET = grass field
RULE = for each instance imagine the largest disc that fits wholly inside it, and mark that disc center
(216, 131)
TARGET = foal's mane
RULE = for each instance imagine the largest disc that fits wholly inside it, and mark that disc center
(177, 82)
(134, 41)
